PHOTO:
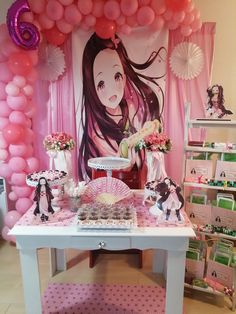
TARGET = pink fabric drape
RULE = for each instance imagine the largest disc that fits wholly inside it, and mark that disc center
(55, 110)
(179, 92)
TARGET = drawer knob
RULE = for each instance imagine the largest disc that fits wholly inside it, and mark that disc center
(101, 244)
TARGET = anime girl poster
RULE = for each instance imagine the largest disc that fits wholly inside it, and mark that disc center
(119, 84)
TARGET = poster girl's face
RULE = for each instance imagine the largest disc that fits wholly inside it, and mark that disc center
(215, 90)
(109, 78)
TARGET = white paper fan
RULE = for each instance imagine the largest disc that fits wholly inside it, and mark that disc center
(51, 62)
(186, 60)
(107, 190)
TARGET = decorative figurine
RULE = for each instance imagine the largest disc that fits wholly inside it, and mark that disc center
(215, 102)
(43, 197)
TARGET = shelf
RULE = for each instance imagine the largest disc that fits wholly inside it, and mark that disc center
(208, 290)
(206, 186)
(215, 235)
(209, 150)
(212, 123)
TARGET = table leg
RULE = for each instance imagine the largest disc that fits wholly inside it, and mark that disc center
(31, 283)
(175, 282)
(57, 261)
(159, 262)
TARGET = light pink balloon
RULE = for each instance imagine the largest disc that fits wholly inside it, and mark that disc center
(158, 6)
(4, 33)
(3, 94)
(129, 7)
(111, 10)
(5, 171)
(54, 10)
(27, 17)
(17, 102)
(12, 196)
(5, 74)
(28, 90)
(11, 218)
(30, 111)
(179, 16)
(120, 20)
(188, 19)
(4, 233)
(157, 24)
(45, 21)
(3, 142)
(33, 54)
(125, 29)
(190, 7)
(37, 6)
(19, 81)
(33, 164)
(90, 20)
(32, 76)
(8, 47)
(3, 58)
(171, 25)
(12, 89)
(168, 15)
(66, 2)
(29, 136)
(28, 123)
(23, 204)
(3, 122)
(17, 117)
(5, 110)
(85, 6)
(4, 154)
(18, 178)
(196, 25)
(18, 150)
(145, 16)
(98, 8)
(72, 15)
(132, 20)
(84, 26)
(30, 151)
(186, 30)
(196, 13)
(17, 164)
(22, 191)
(64, 27)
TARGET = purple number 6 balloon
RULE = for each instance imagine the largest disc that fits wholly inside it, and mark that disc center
(24, 34)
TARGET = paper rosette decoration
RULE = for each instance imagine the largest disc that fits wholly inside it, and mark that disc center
(186, 60)
(51, 62)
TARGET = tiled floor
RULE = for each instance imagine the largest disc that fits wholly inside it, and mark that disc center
(117, 269)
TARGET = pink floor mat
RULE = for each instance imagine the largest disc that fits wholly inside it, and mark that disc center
(61, 298)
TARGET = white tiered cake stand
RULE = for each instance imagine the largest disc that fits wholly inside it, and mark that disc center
(109, 164)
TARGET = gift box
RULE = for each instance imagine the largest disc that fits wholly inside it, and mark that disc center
(199, 168)
(225, 170)
(222, 217)
(194, 269)
(220, 273)
(198, 214)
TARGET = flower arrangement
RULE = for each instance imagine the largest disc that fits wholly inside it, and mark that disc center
(155, 142)
(58, 141)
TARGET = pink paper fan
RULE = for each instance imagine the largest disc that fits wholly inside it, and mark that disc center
(51, 62)
(107, 190)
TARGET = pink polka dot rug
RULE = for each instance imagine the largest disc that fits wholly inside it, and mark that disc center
(67, 298)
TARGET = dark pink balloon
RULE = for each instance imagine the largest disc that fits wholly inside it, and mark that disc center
(11, 218)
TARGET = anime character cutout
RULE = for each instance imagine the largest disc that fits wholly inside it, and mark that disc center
(43, 197)
(117, 98)
(169, 198)
(215, 102)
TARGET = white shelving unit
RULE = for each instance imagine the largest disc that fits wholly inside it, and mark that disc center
(188, 152)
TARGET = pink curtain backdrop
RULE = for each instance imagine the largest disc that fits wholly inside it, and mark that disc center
(179, 92)
(55, 110)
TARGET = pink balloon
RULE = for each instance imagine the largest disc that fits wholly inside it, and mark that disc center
(22, 191)
(17, 117)
(18, 150)
(13, 133)
(90, 20)
(19, 81)
(17, 164)
(129, 7)
(32, 76)
(23, 204)
(45, 21)
(186, 30)
(28, 90)
(66, 2)
(3, 123)
(29, 136)
(37, 6)
(98, 8)
(27, 17)
(5, 235)
(12, 89)
(188, 19)
(168, 15)
(3, 142)
(196, 13)
(125, 29)
(33, 164)
(111, 10)
(30, 111)
(85, 6)
(3, 94)
(29, 152)
(54, 10)
(4, 154)
(8, 47)
(18, 178)
(157, 24)
(64, 26)
(17, 102)
(190, 7)
(4, 33)
(28, 123)
(132, 20)
(158, 6)
(33, 54)
(5, 171)
(196, 25)
(72, 14)
(12, 196)
(120, 20)
(5, 73)
(172, 25)
(5, 110)
(11, 218)
(179, 16)
(2, 57)
(145, 16)
(143, 2)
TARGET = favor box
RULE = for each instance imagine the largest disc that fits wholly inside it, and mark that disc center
(194, 269)
(222, 217)
(220, 273)
(198, 214)
(225, 170)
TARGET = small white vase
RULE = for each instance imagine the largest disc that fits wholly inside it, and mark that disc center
(61, 160)
(155, 166)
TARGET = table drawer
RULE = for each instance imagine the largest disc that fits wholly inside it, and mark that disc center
(101, 242)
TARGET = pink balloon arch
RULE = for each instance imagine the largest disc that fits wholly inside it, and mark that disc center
(27, 23)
